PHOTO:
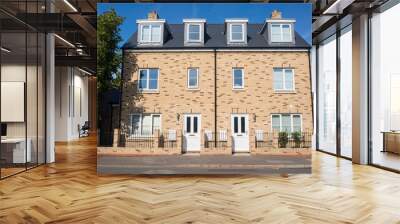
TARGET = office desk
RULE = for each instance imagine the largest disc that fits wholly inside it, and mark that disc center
(391, 142)
(15, 148)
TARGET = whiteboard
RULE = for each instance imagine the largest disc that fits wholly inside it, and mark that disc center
(12, 101)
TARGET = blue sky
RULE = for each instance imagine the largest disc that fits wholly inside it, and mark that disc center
(212, 12)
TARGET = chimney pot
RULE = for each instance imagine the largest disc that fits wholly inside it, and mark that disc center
(276, 15)
(152, 15)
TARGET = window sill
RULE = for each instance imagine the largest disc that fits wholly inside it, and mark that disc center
(238, 89)
(193, 89)
(285, 91)
(149, 91)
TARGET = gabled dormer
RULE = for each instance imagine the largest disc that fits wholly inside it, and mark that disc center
(280, 30)
(236, 31)
(151, 30)
(194, 31)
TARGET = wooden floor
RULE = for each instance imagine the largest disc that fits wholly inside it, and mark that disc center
(70, 191)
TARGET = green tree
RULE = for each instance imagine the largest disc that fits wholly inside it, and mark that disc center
(109, 57)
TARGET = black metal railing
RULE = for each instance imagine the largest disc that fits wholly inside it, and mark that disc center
(167, 140)
(294, 139)
(215, 140)
(141, 141)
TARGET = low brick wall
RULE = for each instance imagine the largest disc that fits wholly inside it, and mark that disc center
(124, 151)
(216, 151)
(280, 151)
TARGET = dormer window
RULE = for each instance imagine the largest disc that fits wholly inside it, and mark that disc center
(281, 33)
(151, 33)
(236, 31)
(151, 30)
(193, 34)
(280, 30)
(194, 31)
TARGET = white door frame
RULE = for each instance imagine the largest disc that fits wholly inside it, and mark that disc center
(240, 136)
(192, 133)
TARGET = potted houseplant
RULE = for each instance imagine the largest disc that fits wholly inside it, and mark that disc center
(283, 139)
(297, 139)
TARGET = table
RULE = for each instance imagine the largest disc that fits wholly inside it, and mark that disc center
(391, 141)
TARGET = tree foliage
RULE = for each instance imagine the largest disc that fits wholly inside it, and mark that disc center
(109, 57)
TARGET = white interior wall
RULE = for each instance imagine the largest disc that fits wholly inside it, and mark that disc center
(70, 83)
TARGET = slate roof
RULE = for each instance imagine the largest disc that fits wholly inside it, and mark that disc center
(215, 37)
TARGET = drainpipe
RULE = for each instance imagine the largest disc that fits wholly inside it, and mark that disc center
(215, 93)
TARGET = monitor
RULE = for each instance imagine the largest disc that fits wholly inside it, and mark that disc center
(3, 129)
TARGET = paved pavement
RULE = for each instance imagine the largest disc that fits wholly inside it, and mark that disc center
(203, 164)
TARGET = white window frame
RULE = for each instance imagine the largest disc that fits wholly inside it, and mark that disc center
(151, 41)
(230, 33)
(281, 32)
(291, 121)
(141, 123)
(188, 79)
(233, 78)
(284, 80)
(147, 89)
(188, 33)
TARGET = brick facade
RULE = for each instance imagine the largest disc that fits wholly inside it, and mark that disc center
(258, 98)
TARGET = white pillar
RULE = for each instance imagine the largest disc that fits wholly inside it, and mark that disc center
(50, 100)
(360, 90)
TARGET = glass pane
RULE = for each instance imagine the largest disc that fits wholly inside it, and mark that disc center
(194, 28)
(278, 79)
(135, 125)
(237, 75)
(16, 151)
(146, 33)
(41, 99)
(188, 125)
(286, 123)
(156, 33)
(286, 34)
(193, 78)
(235, 125)
(276, 123)
(289, 79)
(296, 123)
(346, 93)
(195, 123)
(31, 100)
(153, 84)
(156, 123)
(327, 95)
(143, 79)
(236, 32)
(243, 125)
(385, 91)
(194, 36)
(146, 125)
(153, 73)
(275, 33)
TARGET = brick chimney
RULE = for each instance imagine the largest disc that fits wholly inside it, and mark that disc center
(276, 14)
(152, 15)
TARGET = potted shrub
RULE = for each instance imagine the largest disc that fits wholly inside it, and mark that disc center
(283, 139)
(297, 139)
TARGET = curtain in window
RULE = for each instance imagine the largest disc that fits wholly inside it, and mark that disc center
(296, 123)
(286, 123)
(286, 35)
(146, 125)
(237, 32)
(278, 79)
(275, 33)
(156, 123)
(288, 79)
(146, 33)
(276, 123)
(156, 33)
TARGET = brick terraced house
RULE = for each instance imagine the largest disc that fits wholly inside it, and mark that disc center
(224, 88)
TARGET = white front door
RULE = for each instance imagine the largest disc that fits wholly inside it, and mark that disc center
(240, 133)
(192, 138)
